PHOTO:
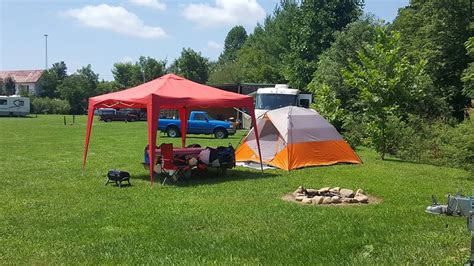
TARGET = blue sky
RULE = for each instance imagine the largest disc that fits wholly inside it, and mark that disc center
(103, 32)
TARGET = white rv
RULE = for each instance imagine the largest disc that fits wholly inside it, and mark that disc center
(279, 96)
(14, 105)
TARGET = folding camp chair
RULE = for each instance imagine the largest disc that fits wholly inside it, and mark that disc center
(171, 167)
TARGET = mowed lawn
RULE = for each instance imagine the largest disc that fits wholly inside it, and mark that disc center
(50, 213)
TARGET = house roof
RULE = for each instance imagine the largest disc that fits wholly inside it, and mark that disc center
(22, 76)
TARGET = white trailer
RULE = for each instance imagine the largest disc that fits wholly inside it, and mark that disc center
(279, 96)
(14, 106)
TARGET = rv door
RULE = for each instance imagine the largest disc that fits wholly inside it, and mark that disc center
(305, 100)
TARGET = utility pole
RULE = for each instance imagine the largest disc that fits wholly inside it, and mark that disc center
(46, 52)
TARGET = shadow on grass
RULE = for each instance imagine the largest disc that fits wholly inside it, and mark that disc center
(210, 177)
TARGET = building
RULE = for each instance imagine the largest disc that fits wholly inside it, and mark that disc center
(25, 80)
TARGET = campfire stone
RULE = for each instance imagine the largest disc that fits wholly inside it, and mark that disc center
(335, 199)
(300, 190)
(307, 200)
(311, 192)
(361, 198)
(346, 193)
(300, 198)
(327, 200)
(360, 192)
(347, 200)
(317, 200)
(324, 190)
(335, 190)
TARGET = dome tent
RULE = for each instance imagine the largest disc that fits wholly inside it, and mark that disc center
(294, 137)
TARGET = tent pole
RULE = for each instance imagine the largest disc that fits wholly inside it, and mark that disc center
(183, 115)
(90, 119)
(153, 114)
(255, 130)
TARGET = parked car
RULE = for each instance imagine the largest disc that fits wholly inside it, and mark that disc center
(199, 123)
(109, 115)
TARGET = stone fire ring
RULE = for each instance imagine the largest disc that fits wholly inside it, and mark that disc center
(328, 196)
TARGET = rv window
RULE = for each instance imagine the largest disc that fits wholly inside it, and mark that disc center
(304, 103)
(21, 103)
(3, 102)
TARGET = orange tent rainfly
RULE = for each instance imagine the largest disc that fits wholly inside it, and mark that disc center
(167, 92)
(294, 137)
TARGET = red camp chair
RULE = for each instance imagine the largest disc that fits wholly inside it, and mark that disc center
(170, 166)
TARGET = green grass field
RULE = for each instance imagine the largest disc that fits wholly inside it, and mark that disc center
(50, 213)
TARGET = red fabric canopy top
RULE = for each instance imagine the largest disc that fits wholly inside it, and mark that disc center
(171, 91)
(167, 92)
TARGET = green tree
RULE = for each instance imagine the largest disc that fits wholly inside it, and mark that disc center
(2, 91)
(78, 87)
(468, 73)
(107, 86)
(233, 42)
(435, 31)
(328, 105)
(151, 68)
(344, 49)
(60, 69)
(127, 74)
(387, 85)
(48, 83)
(312, 33)
(9, 85)
(260, 58)
(191, 65)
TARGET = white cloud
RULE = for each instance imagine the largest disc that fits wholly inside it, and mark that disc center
(212, 45)
(116, 19)
(225, 12)
(155, 4)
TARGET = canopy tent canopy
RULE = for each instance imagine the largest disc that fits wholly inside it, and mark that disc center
(167, 92)
(294, 137)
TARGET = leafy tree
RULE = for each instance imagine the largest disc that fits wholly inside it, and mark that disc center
(107, 86)
(60, 69)
(229, 73)
(387, 85)
(312, 33)
(435, 31)
(151, 68)
(9, 86)
(468, 73)
(127, 74)
(48, 83)
(344, 49)
(191, 65)
(326, 103)
(260, 58)
(233, 42)
(78, 87)
(2, 91)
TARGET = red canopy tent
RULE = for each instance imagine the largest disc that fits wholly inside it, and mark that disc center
(167, 92)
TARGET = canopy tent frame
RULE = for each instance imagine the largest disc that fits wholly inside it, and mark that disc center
(167, 92)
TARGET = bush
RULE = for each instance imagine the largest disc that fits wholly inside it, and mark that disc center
(49, 106)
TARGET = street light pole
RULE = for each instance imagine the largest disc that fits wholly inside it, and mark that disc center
(46, 52)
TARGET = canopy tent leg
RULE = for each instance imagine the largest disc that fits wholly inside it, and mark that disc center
(183, 115)
(153, 114)
(90, 119)
(255, 130)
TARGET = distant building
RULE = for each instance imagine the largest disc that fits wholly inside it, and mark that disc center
(25, 80)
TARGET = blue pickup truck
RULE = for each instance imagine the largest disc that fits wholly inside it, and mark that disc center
(199, 123)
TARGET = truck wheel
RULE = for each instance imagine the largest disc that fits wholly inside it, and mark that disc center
(172, 132)
(220, 133)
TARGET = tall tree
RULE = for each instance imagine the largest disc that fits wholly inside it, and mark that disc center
(48, 83)
(127, 74)
(2, 91)
(191, 65)
(312, 33)
(344, 49)
(60, 69)
(468, 73)
(151, 68)
(78, 87)
(436, 30)
(9, 86)
(387, 84)
(91, 78)
(233, 42)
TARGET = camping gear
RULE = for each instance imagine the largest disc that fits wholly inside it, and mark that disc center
(117, 177)
(167, 92)
(293, 137)
(458, 205)
(171, 165)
